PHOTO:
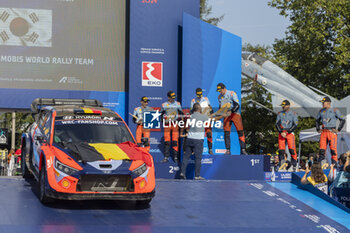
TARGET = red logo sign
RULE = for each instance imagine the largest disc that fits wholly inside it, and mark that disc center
(152, 74)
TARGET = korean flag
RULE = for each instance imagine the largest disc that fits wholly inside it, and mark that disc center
(25, 27)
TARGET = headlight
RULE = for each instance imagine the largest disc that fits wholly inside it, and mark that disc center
(140, 170)
(64, 168)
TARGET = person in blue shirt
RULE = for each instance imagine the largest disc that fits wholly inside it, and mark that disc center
(170, 112)
(229, 100)
(286, 124)
(326, 124)
(207, 110)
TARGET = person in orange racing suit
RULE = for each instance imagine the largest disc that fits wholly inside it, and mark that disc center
(207, 110)
(286, 123)
(326, 123)
(142, 134)
(230, 99)
(170, 111)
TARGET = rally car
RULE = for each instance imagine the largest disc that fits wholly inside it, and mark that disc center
(79, 150)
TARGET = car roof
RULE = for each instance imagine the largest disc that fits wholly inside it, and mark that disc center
(63, 110)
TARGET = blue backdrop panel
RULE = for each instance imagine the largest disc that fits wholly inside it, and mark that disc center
(24, 97)
(210, 56)
(154, 37)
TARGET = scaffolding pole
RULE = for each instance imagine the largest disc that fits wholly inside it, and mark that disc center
(13, 137)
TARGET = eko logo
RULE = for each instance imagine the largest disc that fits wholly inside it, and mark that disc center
(152, 74)
(152, 120)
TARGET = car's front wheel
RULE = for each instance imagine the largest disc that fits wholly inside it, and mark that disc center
(42, 186)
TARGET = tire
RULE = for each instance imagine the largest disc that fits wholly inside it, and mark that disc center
(25, 171)
(143, 202)
(42, 186)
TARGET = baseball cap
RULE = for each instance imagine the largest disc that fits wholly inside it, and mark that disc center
(220, 86)
(144, 99)
(199, 91)
(325, 99)
(171, 94)
(285, 102)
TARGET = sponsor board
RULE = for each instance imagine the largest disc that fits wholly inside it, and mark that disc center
(279, 176)
(152, 74)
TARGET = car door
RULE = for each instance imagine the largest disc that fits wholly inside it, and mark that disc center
(41, 135)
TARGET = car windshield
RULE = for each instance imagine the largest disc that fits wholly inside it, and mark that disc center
(91, 131)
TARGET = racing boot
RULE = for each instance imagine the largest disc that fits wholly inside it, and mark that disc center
(294, 164)
(166, 152)
(182, 176)
(244, 152)
(210, 147)
(210, 143)
(289, 164)
(243, 147)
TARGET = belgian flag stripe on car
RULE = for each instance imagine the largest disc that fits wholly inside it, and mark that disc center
(110, 151)
(107, 151)
(87, 111)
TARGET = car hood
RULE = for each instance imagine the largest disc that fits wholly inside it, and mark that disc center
(90, 152)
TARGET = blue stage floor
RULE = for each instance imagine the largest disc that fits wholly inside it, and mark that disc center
(179, 206)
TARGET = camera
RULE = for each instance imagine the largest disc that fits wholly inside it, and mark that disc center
(309, 163)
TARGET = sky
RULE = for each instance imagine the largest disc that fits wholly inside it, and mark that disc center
(253, 20)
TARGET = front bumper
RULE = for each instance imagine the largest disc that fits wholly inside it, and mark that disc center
(101, 196)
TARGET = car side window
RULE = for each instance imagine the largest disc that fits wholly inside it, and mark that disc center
(45, 124)
(41, 119)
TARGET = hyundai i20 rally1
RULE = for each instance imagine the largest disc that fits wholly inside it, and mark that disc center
(79, 150)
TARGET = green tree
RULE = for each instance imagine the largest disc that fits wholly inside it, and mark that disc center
(316, 49)
(23, 120)
(206, 11)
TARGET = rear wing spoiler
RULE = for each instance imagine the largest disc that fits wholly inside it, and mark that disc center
(38, 103)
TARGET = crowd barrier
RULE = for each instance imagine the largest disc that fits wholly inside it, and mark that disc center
(345, 193)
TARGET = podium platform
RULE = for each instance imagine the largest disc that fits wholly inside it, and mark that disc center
(182, 206)
(217, 167)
